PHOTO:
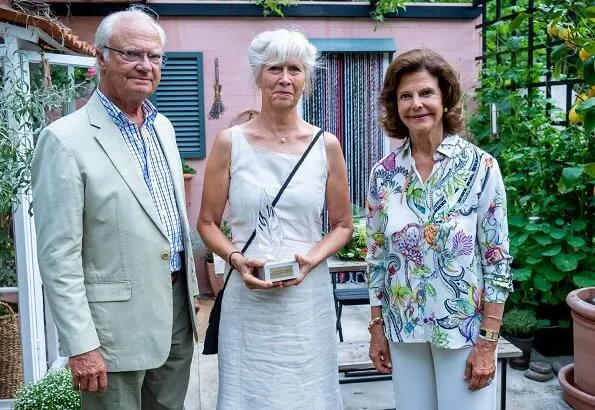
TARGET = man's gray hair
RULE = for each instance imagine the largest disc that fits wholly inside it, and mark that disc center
(277, 47)
(106, 27)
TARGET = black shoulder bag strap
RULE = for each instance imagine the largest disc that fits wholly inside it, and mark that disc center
(289, 178)
(212, 334)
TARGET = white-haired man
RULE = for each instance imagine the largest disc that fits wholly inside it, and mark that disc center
(113, 237)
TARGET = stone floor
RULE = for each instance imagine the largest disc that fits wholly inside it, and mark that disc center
(522, 393)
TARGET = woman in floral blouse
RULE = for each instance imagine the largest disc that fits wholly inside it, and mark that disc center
(438, 261)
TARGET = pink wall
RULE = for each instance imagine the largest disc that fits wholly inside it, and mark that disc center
(228, 39)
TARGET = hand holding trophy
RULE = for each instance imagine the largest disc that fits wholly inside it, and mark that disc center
(270, 237)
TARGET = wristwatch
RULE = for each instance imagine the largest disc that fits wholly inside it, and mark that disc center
(489, 334)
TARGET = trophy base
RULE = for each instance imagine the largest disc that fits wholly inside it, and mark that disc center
(282, 270)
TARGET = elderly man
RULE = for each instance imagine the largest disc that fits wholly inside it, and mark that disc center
(113, 237)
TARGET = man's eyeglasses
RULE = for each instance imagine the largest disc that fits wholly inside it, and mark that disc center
(136, 57)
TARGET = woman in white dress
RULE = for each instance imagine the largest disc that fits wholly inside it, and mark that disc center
(277, 343)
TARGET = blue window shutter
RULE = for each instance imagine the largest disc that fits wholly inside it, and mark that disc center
(180, 97)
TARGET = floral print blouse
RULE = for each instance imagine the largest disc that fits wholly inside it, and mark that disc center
(437, 249)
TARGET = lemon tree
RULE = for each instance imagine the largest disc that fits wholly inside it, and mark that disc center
(571, 24)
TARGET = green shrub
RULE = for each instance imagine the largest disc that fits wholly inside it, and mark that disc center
(53, 392)
(519, 323)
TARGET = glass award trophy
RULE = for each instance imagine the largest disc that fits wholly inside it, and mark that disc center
(270, 236)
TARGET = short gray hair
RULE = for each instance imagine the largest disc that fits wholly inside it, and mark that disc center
(279, 46)
(106, 27)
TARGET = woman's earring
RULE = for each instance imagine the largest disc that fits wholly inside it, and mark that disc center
(445, 109)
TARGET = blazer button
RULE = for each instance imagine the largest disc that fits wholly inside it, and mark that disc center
(165, 255)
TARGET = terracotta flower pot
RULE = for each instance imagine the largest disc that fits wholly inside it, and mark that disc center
(579, 400)
(581, 301)
(187, 189)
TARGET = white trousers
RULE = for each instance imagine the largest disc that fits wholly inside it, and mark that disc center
(426, 377)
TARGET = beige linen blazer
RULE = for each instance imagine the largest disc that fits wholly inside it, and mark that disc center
(102, 250)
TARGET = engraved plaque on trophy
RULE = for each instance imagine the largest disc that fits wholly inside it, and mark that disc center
(270, 237)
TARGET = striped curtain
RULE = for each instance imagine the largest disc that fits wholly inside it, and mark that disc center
(344, 101)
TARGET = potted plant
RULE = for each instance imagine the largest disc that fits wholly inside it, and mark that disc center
(54, 391)
(189, 173)
(518, 326)
(356, 248)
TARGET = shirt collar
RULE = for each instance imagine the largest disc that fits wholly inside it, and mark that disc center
(118, 116)
(448, 147)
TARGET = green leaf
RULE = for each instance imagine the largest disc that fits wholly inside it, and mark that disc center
(518, 20)
(521, 274)
(532, 228)
(576, 242)
(589, 11)
(590, 169)
(533, 260)
(558, 233)
(554, 250)
(584, 279)
(542, 239)
(542, 284)
(585, 106)
(565, 262)
(564, 324)
(579, 225)
(520, 240)
(554, 275)
(560, 221)
(572, 174)
(517, 220)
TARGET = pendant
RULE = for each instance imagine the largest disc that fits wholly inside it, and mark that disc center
(282, 140)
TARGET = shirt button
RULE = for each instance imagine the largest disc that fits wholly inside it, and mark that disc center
(165, 255)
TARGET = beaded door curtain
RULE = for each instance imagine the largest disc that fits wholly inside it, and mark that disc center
(344, 101)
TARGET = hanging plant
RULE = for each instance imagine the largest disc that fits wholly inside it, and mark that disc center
(384, 7)
(274, 6)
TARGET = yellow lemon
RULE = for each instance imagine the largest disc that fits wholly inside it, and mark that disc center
(583, 54)
(573, 116)
(552, 29)
(581, 98)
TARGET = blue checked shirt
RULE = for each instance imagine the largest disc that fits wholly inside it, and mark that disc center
(152, 165)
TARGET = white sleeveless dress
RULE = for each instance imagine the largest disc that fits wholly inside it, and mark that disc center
(277, 348)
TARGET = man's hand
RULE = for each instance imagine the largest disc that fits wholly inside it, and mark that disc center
(196, 305)
(89, 372)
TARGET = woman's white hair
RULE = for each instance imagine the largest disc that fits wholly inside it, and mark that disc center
(106, 27)
(279, 46)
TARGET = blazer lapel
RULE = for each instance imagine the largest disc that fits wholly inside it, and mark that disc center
(111, 140)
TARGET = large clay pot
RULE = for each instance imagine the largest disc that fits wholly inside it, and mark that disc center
(579, 400)
(582, 303)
